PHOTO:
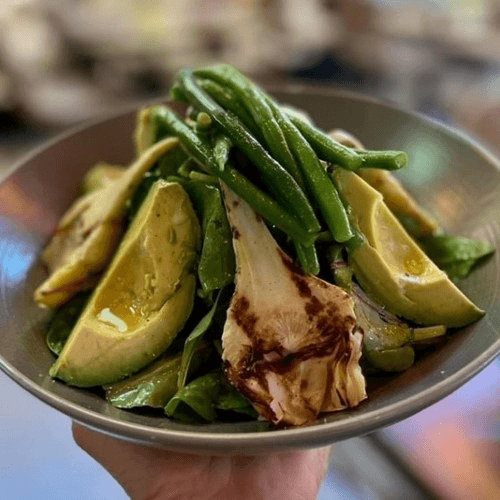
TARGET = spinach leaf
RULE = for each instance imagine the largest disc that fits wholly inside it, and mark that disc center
(211, 323)
(217, 262)
(152, 387)
(230, 399)
(200, 395)
(205, 395)
(193, 342)
(63, 321)
(456, 255)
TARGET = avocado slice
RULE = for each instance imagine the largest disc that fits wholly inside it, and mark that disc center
(395, 195)
(400, 202)
(144, 298)
(392, 268)
(88, 234)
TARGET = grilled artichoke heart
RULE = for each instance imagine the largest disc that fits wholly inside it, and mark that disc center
(290, 342)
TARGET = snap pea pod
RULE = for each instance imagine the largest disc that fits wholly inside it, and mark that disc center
(262, 203)
(216, 266)
(286, 189)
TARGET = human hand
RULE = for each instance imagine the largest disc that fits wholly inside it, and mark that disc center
(153, 474)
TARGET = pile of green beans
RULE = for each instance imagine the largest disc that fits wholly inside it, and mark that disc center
(285, 150)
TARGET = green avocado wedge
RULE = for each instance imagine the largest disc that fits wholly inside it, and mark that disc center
(392, 268)
(144, 298)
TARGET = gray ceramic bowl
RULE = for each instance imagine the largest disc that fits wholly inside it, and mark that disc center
(450, 174)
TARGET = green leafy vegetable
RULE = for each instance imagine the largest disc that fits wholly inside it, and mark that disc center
(342, 272)
(152, 387)
(192, 343)
(235, 136)
(456, 255)
(217, 265)
(285, 188)
(262, 203)
(232, 400)
(63, 321)
(205, 395)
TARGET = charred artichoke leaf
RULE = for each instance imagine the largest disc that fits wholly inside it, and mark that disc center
(89, 233)
(100, 175)
(290, 342)
(145, 130)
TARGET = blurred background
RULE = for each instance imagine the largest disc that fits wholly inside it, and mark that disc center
(65, 61)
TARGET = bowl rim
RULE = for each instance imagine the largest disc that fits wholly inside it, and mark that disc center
(314, 435)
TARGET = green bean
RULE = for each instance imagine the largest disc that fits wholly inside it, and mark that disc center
(262, 203)
(286, 125)
(318, 181)
(229, 101)
(385, 160)
(263, 115)
(308, 257)
(199, 176)
(271, 119)
(185, 168)
(306, 254)
(175, 178)
(203, 122)
(177, 94)
(325, 147)
(286, 189)
(222, 148)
